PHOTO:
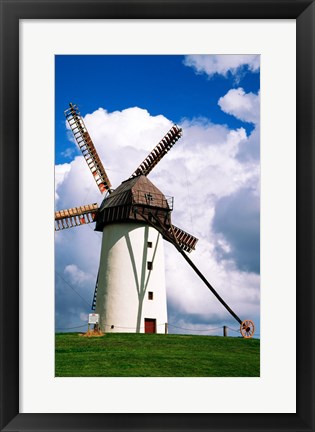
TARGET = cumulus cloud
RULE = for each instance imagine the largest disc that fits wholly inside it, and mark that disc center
(201, 171)
(244, 106)
(75, 275)
(84, 317)
(222, 64)
(68, 153)
(250, 148)
(236, 220)
(61, 172)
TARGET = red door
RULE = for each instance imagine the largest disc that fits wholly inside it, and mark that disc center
(149, 325)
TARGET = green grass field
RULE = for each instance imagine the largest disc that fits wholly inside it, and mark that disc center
(155, 355)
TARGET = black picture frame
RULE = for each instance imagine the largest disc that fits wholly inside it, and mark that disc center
(11, 12)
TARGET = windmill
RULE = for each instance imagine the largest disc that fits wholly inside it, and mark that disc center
(130, 292)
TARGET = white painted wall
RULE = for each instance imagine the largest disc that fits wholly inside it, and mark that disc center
(124, 280)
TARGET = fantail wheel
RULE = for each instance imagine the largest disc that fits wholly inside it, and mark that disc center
(247, 329)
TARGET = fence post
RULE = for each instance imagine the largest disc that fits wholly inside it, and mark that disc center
(166, 328)
(224, 331)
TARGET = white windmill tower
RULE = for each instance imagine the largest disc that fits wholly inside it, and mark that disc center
(130, 294)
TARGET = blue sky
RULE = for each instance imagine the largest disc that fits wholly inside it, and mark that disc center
(160, 84)
(213, 172)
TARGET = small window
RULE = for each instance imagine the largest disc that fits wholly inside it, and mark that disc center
(150, 295)
(150, 265)
(148, 197)
(149, 244)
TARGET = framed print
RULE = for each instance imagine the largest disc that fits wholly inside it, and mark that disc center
(152, 51)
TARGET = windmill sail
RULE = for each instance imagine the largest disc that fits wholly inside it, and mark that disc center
(75, 216)
(87, 148)
(186, 241)
(95, 293)
(166, 143)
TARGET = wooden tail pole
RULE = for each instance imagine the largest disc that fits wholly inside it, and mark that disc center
(227, 307)
(171, 240)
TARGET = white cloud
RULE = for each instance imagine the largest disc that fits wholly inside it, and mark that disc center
(77, 276)
(69, 152)
(202, 167)
(222, 64)
(84, 317)
(244, 106)
(61, 172)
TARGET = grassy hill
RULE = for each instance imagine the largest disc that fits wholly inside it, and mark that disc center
(155, 355)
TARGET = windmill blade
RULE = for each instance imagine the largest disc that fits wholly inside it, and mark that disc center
(87, 148)
(185, 241)
(75, 216)
(95, 292)
(166, 143)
